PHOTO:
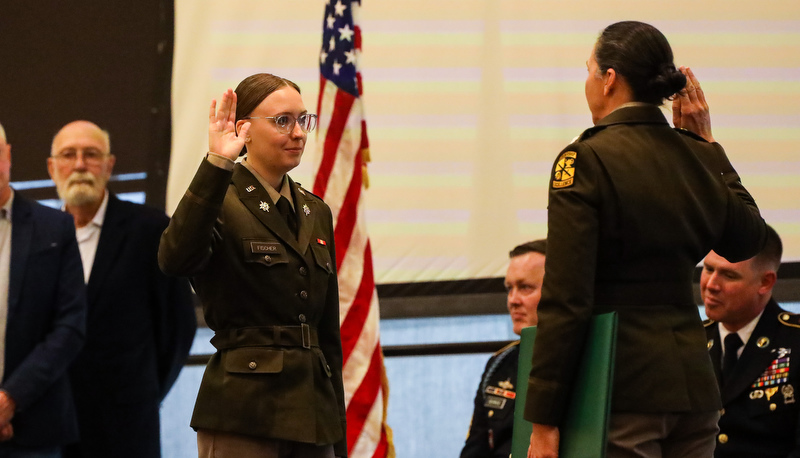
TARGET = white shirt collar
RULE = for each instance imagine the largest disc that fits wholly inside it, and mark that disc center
(9, 204)
(744, 333)
(100, 216)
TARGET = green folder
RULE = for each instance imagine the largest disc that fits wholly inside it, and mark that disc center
(585, 427)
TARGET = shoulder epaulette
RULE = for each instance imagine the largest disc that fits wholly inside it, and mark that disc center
(789, 319)
(691, 134)
(588, 133)
(506, 348)
(305, 191)
(708, 322)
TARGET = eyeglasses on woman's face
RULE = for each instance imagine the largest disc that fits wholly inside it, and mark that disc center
(285, 123)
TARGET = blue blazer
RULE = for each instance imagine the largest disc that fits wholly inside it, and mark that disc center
(46, 323)
(140, 327)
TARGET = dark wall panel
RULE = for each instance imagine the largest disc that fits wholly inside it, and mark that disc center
(108, 62)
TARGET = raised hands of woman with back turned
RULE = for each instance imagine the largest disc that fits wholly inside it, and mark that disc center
(689, 108)
(222, 137)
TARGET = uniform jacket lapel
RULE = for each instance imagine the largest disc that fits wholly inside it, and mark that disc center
(257, 200)
(715, 351)
(112, 238)
(21, 230)
(306, 210)
(754, 359)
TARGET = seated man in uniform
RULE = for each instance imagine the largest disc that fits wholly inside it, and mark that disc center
(751, 341)
(493, 417)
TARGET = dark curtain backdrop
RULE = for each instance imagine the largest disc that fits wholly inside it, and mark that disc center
(107, 62)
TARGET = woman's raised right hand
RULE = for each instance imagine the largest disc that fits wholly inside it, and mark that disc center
(222, 138)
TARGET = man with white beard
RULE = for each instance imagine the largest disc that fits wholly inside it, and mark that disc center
(140, 323)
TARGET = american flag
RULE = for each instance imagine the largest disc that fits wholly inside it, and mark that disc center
(340, 177)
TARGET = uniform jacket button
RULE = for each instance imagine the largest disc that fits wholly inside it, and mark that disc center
(302, 318)
(303, 295)
(723, 438)
(252, 365)
(772, 407)
(303, 271)
(267, 258)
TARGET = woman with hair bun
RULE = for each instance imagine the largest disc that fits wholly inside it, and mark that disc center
(260, 251)
(634, 205)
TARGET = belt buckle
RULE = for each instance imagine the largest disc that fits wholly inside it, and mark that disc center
(305, 330)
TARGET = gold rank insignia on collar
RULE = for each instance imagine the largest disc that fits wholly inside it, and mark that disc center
(564, 174)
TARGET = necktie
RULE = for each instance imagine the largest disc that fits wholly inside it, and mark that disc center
(285, 209)
(732, 344)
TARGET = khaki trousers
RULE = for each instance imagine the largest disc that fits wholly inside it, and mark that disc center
(686, 435)
(216, 444)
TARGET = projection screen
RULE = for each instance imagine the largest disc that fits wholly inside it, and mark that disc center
(468, 103)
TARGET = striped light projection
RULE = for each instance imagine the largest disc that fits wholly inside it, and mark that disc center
(470, 101)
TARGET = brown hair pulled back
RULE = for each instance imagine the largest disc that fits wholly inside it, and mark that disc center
(640, 53)
(255, 88)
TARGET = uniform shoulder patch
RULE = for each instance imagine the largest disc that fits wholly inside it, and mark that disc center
(708, 322)
(564, 173)
(789, 319)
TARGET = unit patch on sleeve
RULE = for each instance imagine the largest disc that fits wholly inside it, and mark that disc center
(564, 174)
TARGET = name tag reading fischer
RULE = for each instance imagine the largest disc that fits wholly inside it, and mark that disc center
(265, 247)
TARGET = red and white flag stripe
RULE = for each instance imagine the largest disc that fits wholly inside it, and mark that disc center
(339, 178)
